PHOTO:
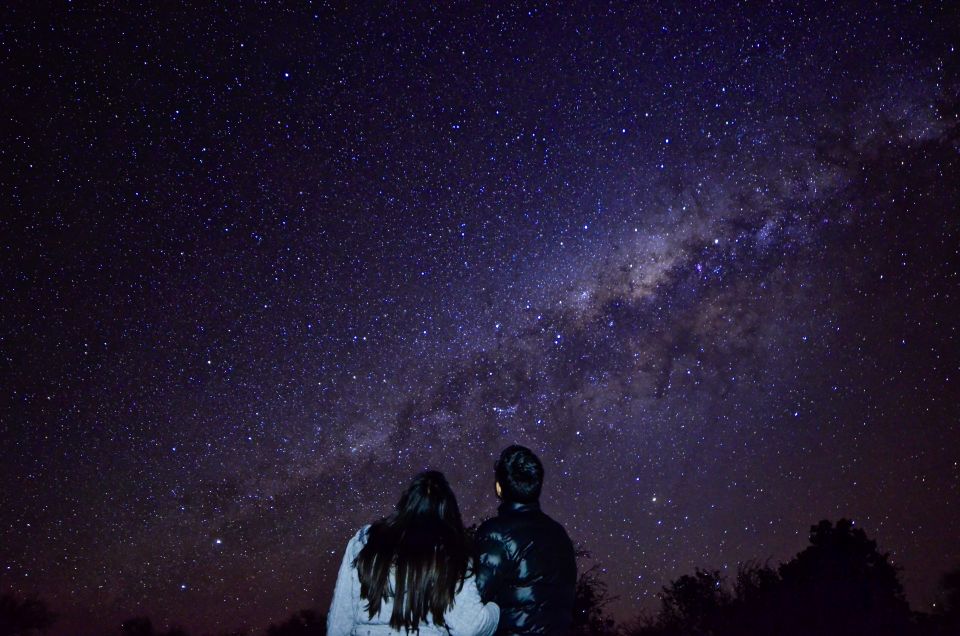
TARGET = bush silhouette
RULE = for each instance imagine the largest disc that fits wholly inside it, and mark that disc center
(946, 615)
(839, 584)
(303, 623)
(842, 584)
(143, 626)
(592, 597)
(24, 617)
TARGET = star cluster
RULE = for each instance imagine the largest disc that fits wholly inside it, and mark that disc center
(261, 263)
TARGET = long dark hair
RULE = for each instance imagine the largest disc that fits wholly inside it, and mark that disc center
(426, 544)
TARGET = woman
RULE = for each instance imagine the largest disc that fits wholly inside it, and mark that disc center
(412, 571)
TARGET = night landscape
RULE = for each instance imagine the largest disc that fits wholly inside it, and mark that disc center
(263, 262)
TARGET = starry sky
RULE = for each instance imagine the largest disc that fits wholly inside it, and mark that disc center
(263, 262)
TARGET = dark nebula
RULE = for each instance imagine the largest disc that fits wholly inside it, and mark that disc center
(263, 262)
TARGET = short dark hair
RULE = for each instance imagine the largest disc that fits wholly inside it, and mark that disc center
(520, 474)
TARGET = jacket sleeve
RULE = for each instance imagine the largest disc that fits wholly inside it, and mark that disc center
(469, 616)
(492, 564)
(346, 593)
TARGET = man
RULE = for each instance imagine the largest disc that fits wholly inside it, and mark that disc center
(526, 562)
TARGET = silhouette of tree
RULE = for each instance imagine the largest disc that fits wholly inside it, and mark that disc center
(143, 626)
(592, 597)
(137, 626)
(695, 604)
(304, 623)
(841, 584)
(756, 600)
(692, 605)
(755, 583)
(946, 616)
(24, 617)
(643, 625)
(950, 593)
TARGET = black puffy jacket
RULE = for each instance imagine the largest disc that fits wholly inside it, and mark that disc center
(526, 565)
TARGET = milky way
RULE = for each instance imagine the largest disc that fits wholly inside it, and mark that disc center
(262, 265)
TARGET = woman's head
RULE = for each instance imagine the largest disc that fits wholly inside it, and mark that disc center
(423, 547)
(429, 496)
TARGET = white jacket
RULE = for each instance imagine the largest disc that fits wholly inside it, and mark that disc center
(349, 617)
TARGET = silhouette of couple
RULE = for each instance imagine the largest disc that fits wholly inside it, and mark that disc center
(418, 571)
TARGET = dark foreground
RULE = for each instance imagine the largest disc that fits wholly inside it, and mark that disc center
(839, 584)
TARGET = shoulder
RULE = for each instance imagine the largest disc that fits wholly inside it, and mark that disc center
(362, 534)
(555, 526)
(553, 523)
(486, 525)
(556, 535)
(358, 540)
(491, 528)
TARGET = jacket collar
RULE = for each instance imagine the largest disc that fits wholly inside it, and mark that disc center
(513, 507)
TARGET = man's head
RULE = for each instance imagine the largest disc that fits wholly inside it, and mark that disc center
(519, 475)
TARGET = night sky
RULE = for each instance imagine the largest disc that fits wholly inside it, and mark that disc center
(260, 264)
